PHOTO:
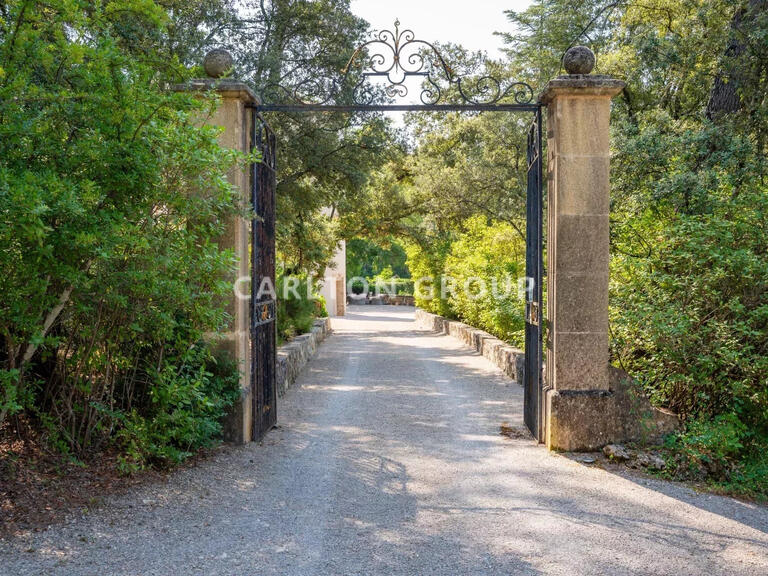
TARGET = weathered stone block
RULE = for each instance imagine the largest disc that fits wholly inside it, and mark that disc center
(581, 303)
(293, 356)
(581, 125)
(582, 184)
(582, 244)
(581, 361)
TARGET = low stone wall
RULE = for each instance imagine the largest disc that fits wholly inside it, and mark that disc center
(399, 300)
(294, 355)
(509, 359)
(381, 300)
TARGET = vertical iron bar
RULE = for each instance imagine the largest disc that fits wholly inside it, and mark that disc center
(270, 330)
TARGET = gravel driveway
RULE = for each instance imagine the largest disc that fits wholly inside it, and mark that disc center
(388, 460)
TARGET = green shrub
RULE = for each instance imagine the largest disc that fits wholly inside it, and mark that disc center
(709, 446)
(493, 252)
(187, 402)
(321, 308)
(426, 261)
(404, 287)
(11, 400)
(296, 312)
(691, 321)
(357, 286)
(724, 452)
(112, 199)
(393, 286)
(750, 476)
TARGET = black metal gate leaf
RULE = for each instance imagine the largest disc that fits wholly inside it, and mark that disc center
(263, 327)
(533, 385)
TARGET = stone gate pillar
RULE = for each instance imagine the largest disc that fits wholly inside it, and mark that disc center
(578, 205)
(234, 117)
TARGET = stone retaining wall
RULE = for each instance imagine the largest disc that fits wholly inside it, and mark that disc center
(294, 355)
(509, 359)
(381, 300)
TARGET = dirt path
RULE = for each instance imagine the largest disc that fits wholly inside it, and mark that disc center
(388, 460)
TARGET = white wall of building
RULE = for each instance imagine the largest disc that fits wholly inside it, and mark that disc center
(334, 288)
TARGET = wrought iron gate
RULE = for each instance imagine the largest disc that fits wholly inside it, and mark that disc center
(534, 389)
(390, 58)
(263, 306)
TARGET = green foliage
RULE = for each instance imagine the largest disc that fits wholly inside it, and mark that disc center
(749, 477)
(493, 253)
(358, 285)
(690, 320)
(111, 202)
(386, 282)
(186, 405)
(321, 307)
(469, 165)
(393, 286)
(426, 262)
(724, 452)
(709, 445)
(474, 277)
(366, 259)
(296, 307)
(12, 400)
(325, 159)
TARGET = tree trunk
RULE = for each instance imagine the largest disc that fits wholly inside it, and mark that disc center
(725, 96)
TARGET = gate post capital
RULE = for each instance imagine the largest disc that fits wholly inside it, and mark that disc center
(224, 87)
(581, 86)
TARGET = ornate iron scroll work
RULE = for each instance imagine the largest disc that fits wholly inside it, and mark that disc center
(395, 57)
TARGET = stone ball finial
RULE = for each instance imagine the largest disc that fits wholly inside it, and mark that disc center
(218, 62)
(579, 60)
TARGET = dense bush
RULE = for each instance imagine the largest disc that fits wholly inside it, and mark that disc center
(426, 261)
(296, 307)
(357, 285)
(691, 320)
(186, 403)
(111, 200)
(386, 282)
(691, 324)
(401, 286)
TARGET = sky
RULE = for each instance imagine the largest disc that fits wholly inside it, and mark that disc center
(470, 24)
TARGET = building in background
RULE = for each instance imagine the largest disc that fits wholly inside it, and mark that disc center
(334, 288)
